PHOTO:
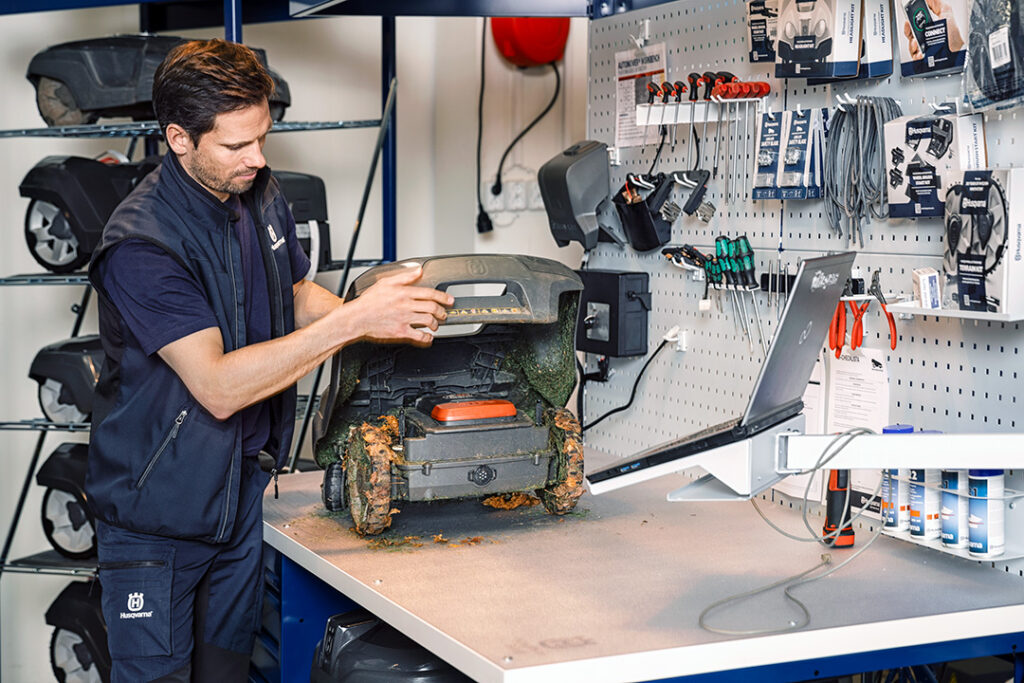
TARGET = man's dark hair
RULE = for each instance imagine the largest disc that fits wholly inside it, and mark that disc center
(202, 78)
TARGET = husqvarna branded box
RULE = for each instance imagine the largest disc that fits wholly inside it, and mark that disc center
(818, 39)
(984, 255)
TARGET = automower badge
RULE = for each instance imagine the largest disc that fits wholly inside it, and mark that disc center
(276, 241)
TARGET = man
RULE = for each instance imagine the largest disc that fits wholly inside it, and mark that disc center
(207, 323)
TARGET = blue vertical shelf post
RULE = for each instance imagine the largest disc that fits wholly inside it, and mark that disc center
(388, 68)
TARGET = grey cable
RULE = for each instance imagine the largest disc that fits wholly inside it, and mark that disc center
(854, 174)
(791, 582)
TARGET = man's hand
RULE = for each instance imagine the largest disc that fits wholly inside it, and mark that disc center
(393, 309)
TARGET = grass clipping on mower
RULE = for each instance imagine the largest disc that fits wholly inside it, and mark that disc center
(511, 501)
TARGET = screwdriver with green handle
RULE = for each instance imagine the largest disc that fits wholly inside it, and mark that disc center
(746, 265)
(729, 274)
(739, 283)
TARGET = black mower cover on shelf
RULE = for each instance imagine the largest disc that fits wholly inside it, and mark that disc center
(113, 76)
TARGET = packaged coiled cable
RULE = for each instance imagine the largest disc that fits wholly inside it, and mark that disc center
(994, 73)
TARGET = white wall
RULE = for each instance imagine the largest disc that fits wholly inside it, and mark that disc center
(332, 66)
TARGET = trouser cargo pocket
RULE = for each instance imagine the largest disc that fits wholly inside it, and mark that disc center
(137, 601)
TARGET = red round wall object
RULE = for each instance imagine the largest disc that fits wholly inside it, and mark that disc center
(531, 41)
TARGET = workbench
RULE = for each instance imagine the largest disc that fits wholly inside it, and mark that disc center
(612, 592)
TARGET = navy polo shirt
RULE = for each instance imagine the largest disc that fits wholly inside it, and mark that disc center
(161, 303)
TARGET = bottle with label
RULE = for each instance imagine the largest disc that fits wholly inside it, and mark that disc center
(985, 518)
(953, 509)
(924, 504)
(895, 493)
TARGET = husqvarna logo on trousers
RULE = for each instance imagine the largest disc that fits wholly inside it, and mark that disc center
(136, 601)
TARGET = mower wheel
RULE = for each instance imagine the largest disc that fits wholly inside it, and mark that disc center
(55, 409)
(50, 239)
(368, 478)
(57, 104)
(68, 524)
(72, 660)
(332, 490)
(560, 495)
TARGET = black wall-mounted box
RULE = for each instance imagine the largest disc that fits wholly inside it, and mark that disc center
(613, 313)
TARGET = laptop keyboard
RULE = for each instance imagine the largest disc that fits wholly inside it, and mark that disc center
(707, 431)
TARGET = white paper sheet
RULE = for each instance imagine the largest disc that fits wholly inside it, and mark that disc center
(858, 396)
(634, 69)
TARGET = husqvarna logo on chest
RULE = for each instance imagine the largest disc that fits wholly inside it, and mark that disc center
(275, 241)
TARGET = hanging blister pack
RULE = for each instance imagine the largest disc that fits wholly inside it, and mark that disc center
(766, 161)
(924, 155)
(796, 154)
(994, 75)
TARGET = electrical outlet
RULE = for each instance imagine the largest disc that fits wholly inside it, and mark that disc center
(516, 200)
(493, 203)
(533, 198)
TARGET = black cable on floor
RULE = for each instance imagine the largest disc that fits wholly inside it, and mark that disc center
(483, 221)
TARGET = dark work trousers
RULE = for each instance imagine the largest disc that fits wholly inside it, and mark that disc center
(180, 610)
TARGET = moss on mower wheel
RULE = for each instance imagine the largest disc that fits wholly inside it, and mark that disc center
(368, 478)
(560, 495)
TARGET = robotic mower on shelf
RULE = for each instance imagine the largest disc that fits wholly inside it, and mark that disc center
(72, 198)
(78, 82)
(67, 372)
(479, 413)
(78, 647)
(67, 520)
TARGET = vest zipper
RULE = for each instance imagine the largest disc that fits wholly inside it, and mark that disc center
(171, 436)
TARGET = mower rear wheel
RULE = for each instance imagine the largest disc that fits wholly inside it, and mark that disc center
(68, 524)
(54, 408)
(368, 461)
(71, 659)
(57, 104)
(50, 239)
(560, 495)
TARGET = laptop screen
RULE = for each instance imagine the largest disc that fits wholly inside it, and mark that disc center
(780, 384)
(812, 302)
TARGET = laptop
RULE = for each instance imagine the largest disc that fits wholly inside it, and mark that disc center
(780, 385)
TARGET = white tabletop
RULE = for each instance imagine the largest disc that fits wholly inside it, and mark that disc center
(613, 591)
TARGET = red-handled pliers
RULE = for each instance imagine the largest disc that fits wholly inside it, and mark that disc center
(837, 330)
(857, 333)
(876, 291)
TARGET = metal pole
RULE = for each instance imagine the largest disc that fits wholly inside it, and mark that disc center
(390, 152)
(233, 20)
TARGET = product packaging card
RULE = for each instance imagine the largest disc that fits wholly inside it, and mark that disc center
(767, 159)
(762, 22)
(796, 154)
(983, 259)
(818, 39)
(931, 35)
(994, 68)
(876, 62)
(924, 155)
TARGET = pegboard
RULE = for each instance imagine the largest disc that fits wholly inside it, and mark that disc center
(949, 374)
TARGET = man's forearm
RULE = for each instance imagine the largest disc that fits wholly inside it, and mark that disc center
(312, 302)
(233, 381)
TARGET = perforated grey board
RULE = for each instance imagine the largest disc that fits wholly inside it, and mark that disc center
(948, 374)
